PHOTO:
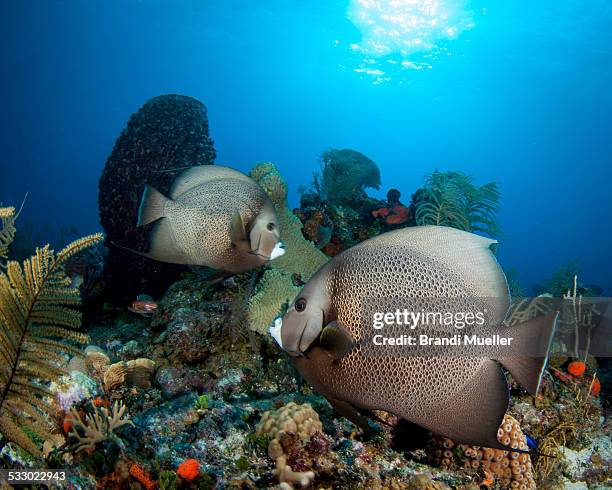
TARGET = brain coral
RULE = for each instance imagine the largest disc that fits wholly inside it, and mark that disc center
(166, 135)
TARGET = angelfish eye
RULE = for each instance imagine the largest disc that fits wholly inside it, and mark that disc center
(300, 304)
(270, 226)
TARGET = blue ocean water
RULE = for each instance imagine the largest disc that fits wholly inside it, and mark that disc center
(515, 92)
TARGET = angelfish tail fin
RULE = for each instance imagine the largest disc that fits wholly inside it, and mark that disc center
(537, 332)
(152, 206)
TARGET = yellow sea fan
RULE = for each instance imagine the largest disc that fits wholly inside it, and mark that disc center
(275, 289)
(302, 256)
(38, 319)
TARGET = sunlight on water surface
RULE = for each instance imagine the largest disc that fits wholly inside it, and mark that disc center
(398, 35)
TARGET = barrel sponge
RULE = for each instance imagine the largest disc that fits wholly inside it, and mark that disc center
(510, 469)
(300, 420)
(166, 135)
(302, 256)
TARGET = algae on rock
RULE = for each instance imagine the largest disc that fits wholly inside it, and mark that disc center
(302, 258)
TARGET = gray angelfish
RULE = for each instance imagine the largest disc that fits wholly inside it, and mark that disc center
(463, 398)
(214, 216)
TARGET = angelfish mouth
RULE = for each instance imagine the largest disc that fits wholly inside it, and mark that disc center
(275, 331)
(277, 251)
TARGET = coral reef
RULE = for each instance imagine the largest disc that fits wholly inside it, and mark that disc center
(166, 135)
(452, 199)
(210, 408)
(213, 404)
(335, 210)
(37, 307)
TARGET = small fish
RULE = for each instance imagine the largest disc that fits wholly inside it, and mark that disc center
(462, 398)
(531, 442)
(214, 216)
(561, 376)
(144, 305)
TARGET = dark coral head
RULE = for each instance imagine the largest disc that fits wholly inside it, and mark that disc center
(393, 195)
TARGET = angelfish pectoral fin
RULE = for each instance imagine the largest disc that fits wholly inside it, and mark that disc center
(237, 229)
(336, 340)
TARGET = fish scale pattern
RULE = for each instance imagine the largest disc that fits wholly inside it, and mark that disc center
(203, 216)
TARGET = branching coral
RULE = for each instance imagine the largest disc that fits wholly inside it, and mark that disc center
(97, 427)
(302, 258)
(452, 199)
(38, 319)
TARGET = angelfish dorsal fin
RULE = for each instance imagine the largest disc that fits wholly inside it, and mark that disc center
(237, 229)
(336, 340)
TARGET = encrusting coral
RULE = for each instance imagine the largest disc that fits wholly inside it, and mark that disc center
(299, 420)
(97, 427)
(38, 320)
(302, 258)
(511, 469)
